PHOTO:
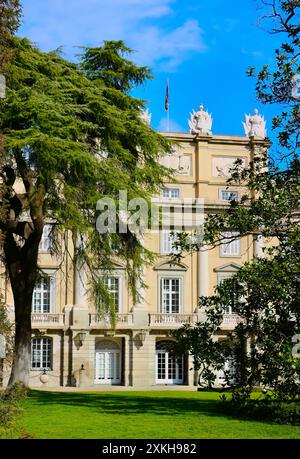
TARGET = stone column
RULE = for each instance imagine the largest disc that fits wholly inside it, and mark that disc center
(203, 275)
(80, 287)
(140, 313)
(80, 278)
(191, 373)
(127, 360)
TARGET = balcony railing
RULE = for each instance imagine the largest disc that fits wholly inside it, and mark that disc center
(99, 321)
(176, 320)
(230, 321)
(172, 319)
(47, 319)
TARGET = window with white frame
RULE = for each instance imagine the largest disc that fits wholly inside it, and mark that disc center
(170, 295)
(43, 295)
(226, 195)
(167, 239)
(112, 284)
(41, 353)
(46, 242)
(231, 245)
(170, 193)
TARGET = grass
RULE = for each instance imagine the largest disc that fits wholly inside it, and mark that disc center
(138, 415)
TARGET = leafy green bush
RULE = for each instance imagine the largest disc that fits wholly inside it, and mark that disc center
(13, 394)
(9, 409)
(262, 409)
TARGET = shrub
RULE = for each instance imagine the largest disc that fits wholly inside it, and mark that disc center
(262, 409)
(9, 408)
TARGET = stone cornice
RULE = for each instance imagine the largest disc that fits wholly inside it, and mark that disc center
(214, 139)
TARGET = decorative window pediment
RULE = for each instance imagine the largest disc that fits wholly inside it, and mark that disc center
(116, 264)
(170, 265)
(227, 268)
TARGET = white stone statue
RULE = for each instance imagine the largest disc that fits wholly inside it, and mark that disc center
(255, 125)
(200, 122)
(146, 116)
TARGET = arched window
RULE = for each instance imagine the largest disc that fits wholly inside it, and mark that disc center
(41, 353)
(107, 362)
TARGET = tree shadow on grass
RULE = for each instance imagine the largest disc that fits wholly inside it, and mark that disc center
(135, 404)
(127, 403)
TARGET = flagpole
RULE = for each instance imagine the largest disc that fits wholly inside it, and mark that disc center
(168, 111)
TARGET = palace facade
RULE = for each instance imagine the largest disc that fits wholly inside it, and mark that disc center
(73, 346)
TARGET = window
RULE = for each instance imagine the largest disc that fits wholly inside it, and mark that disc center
(167, 240)
(112, 284)
(226, 195)
(43, 296)
(233, 246)
(41, 354)
(228, 308)
(170, 193)
(46, 242)
(169, 368)
(170, 295)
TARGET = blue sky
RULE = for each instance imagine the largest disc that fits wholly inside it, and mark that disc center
(203, 47)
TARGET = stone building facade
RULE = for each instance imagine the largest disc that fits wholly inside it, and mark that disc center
(73, 346)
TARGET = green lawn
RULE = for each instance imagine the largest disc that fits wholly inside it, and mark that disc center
(138, 415)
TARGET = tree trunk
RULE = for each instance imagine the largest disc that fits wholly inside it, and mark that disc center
(22, 353)
(22, 268)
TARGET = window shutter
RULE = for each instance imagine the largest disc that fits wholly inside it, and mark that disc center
(228, 247)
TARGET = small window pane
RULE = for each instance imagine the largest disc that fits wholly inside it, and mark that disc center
(227, 195)
(45, 243)
(42, 293)
(170, 193)
(41, 353)
(170, 295)
(113, 287)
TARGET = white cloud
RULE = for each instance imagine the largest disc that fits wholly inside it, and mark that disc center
(74, 23)
(170, 48)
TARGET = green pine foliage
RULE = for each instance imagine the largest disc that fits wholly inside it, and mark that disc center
(58, 120)
(73, 134)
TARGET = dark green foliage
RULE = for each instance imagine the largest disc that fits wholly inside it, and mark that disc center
(269, 319)
(109, 65)
(72, 136)
(275, 83)
(13, 394)
(10, 400)
(6, 329)
(262, 408)
(10, 13)
(265, 292)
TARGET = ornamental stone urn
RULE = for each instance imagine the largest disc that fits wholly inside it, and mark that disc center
(44, 378)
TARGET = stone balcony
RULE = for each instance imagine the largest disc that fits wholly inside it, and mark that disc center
(47, 320)
(230, 321)
(171, 320)
(126, 321)
(104, 322)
